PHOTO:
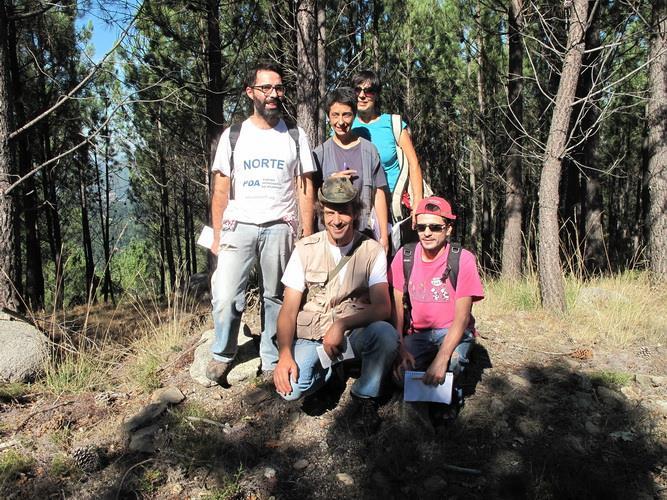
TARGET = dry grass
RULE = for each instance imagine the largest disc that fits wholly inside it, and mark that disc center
(620, 310)
(97, 346)
(164, 329)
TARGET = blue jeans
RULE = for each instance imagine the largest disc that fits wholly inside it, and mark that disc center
(376, 345)
(271, 244)
(424, 345)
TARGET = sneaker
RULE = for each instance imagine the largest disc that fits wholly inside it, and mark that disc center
(217, 371)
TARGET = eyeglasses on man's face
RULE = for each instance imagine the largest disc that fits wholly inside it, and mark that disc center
(368, 91)
(267, 88)
(434, 228)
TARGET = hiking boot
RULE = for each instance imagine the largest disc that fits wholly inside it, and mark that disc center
(366, 419)
(265, 377)
(443, 415)
(217, 371)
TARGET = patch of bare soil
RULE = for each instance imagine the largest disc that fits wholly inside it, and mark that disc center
(543, 418)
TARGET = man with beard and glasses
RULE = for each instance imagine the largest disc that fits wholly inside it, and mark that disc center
(336, 293)
(438, 331)
(257, 180)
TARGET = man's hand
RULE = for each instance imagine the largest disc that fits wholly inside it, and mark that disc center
(333, 340)
(384, 241)
(436, 372)
(404, 361)
(285, 370)
(349, 173)
(215, 246)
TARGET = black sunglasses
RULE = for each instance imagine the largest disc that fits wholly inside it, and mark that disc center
(434, 228)
(371, 91)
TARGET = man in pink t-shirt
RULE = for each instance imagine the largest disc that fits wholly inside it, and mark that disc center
(440, 331)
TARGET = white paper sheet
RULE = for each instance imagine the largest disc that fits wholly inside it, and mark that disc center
(326, 361)
(415, 390)
(206, 237)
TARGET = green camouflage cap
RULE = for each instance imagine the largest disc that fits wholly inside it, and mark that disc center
(337, 190)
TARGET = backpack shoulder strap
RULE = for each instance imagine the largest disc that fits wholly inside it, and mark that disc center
(234, 133)
(453, 259)
(293, 131)
(408, 262)
(396, 127)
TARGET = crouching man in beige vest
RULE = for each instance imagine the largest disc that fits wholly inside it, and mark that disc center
(343, 275)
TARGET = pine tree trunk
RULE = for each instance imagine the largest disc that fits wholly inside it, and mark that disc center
(375, 42)
(552, 288)
(8, 264)
(514, 196)
(307, 69)
(164, 209)
(33, 291)
(85, 234)
(483, 171)
(321, 70)
(657, 147)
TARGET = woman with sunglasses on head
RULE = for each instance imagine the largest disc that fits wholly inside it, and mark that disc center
(377, 128)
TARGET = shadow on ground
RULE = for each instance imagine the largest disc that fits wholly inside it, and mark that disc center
(534, 432)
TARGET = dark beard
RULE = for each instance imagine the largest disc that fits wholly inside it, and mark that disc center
(271, 114)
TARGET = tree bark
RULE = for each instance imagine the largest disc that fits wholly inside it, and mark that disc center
(593, 237)
(8, 264)
(214, 96)
(164, 208)
(307, 68)
(552, 288)
(657, 143)
(321, 70)
(85, 231)
(514, 196)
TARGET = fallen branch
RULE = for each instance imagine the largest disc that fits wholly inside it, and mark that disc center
(173, 362)
(37, 412)
(206, 421)
(462, 470)
(8, 444)
(521, 348)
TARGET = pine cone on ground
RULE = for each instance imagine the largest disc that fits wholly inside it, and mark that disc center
(87, 458)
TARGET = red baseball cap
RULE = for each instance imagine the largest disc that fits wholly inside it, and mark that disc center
(436, 206)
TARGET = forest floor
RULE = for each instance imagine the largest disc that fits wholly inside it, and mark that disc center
(548, 414)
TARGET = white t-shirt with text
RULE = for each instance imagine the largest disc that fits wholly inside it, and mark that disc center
(265, 169)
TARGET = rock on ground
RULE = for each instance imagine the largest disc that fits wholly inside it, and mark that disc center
(245, 365)
(24, 351)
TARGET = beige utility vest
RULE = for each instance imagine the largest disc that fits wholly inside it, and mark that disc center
(325, 301)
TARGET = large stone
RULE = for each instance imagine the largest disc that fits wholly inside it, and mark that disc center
(145, 440)
(245, 365)
(201, 358)
(610, 397)
(169, 395)
(24, 351)
(145, 416)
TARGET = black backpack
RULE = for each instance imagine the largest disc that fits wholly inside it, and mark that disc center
(451, 272)
(235, 132)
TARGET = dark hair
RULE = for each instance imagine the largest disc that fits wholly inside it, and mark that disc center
(261, 65)
(356, 206)
(342, 95)
(366, 75)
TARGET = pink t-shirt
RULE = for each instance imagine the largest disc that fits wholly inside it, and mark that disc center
(432, 300)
